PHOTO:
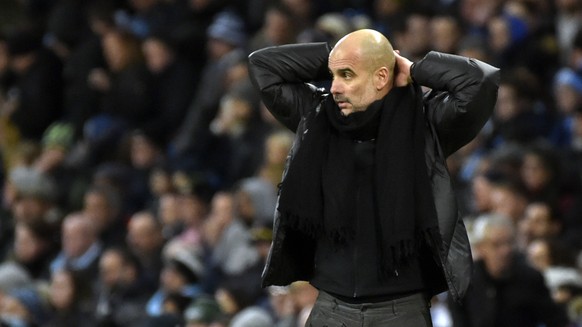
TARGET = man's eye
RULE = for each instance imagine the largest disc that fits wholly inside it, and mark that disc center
(348, 75)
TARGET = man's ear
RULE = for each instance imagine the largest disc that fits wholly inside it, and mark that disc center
(382, 78)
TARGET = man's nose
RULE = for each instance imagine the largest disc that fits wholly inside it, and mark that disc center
(336, 87)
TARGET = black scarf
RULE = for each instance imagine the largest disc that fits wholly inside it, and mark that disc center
(317, 193)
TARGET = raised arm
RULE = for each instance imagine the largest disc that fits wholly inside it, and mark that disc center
(282, 75)
(464, 92)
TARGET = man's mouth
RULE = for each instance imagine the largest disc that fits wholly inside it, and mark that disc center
(341, 102)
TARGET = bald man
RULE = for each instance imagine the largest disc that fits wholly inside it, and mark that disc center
(366, 210)
(80, 248)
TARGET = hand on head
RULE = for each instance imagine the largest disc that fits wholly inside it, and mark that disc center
(401, 70)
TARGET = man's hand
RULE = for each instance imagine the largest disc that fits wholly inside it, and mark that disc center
(401, 70)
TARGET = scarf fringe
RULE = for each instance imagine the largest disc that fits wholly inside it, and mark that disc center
(399, 254)
(315, 230)
(309, 226)
(341, 235)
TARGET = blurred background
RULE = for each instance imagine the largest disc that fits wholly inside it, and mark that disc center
(139, 168)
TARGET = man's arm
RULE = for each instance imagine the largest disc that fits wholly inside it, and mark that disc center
(464, 92)
(281, 75)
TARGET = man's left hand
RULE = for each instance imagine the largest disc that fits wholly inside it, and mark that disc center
(402, 70)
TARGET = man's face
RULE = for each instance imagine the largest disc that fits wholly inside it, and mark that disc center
(110, 269)
(538, 221)
(143, 237)
(98, 209)
(77, 238)
(352, 87)
(496, 250)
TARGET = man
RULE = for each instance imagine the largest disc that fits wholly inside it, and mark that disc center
(366, 211)
(80, 249)
(182, 274)
(120, 298)
(145, 241)
(504, 291)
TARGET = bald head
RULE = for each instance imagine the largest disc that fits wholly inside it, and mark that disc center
(362, 66)
(144, 233)
(371, 46)
(78, 234)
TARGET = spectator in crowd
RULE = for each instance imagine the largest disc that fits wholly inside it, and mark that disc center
(278, 28)
(540, 221)
(234, 297)
(505, 291)
(194, 142)
(81, 248)
(24, 307)
(411, 39)
(125, 83)
(169, 214)
(34, 197)
(189, 206)
(145, 153)
(203, 312)
(509, 199)
(53, 160)
(145, 241)
(542, 176)
(66, 27)
(519, 116)
(481, 193)
(102, 206)
(159, 183)
(255, 201)
(12, 277)
(35, 245)
(81, 101)
(174, 79)
(68, 301)
(121, 296)
(518, 36)
(277, 145)
(38, 84)
(567, 23)
(554, 259)
(247, 283)
(182, 274)
(446, 33)
(227, 238)
(567, 89)
(28, 198)
(240, 125)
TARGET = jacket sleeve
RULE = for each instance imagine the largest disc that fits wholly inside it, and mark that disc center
(462, 97)
(282, 75)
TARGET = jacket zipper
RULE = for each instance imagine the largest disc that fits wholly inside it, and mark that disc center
(356, 243)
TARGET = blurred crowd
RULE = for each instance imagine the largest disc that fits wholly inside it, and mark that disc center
(139, 170)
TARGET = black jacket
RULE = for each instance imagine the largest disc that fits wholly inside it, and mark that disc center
(519, 299)
(463, 96)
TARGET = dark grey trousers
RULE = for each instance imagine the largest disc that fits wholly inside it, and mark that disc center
(409, 311)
